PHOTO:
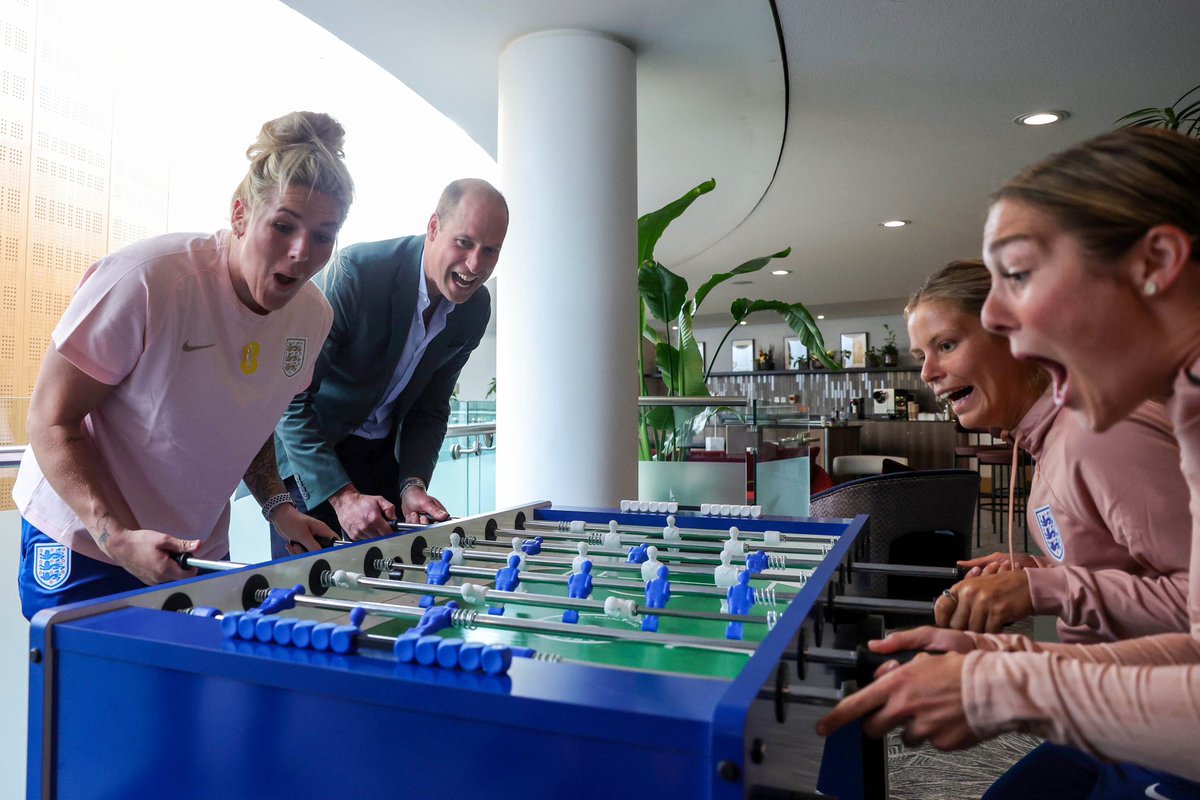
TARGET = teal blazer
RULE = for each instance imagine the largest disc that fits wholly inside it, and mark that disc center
(373, 291)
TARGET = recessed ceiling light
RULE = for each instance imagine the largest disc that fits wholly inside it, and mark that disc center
(743, 322)
(896, 223)
(781, 272)
(1041, 118)
(820, 316)
(674, 327)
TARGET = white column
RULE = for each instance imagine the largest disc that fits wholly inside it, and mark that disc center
(566, 335)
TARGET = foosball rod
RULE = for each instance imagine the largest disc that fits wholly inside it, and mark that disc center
(434, 553)
(699, 533)
(707, 544)
(500, 597)
(776, 561)
(762, 596)
(469, 618)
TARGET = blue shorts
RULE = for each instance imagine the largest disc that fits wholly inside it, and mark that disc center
(50, 574)
(1054, 772)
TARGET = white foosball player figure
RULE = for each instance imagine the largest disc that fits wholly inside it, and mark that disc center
(725, 576)
(456, 549)
(577, 561)
(518, 552)
(651, 564)
(671, 533)
(611, 537)
(733, 545)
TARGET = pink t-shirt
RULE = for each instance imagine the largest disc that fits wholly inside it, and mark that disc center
(1137, 700)
(1107, 510)
(199, 383)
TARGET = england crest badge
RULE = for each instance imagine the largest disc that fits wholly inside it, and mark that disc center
(51, 565)
(293, 356)
(1050, 533)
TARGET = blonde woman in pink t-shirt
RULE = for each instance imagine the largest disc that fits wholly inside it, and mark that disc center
(166, 376)
(1095, 261)
(1106, 507)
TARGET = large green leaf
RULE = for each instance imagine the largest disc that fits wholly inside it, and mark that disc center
(753, 265)
(795, 315)
(690, 382)
(663, 292)
(652, 225)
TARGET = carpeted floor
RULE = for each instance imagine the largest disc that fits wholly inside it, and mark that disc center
(923, 773)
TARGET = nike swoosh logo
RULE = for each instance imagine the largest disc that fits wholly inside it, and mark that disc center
(1152, 792)
(189, 347)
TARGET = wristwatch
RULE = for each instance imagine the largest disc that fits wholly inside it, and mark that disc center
(408, 483)
(275, 502)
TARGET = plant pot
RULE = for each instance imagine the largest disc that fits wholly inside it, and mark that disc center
(891, 359)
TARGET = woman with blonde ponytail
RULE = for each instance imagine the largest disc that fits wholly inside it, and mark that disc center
(167, 374)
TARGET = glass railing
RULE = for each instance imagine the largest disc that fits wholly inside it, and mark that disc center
(465, 476)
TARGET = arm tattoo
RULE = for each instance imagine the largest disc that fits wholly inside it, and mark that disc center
(262, 476)
(102, 527)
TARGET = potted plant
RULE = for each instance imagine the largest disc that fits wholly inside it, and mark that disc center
(874, 357)
(891, 353)
(664, 297)
(1186, 120)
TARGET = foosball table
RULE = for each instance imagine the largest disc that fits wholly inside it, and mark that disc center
(535, 651)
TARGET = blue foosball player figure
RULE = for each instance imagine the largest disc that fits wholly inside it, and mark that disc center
(638, 554)
(658, 592)
(740, 597)
(579, 585)
(436, 574)
(507, 579)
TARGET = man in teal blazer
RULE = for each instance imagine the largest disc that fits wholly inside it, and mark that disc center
(360, 443)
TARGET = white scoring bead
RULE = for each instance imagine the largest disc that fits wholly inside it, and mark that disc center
(577, 526)
(672, 507)
(620, 608)
(644, 506)
(345, 580)
(755, 512)
(743, 511)
(772, 537)
(705, 508)
(625, 504)
(474, 594)
(724, 510)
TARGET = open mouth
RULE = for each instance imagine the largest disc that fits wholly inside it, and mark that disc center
(1057, 373)
(285, 281)
(462, 281)
(956, 396)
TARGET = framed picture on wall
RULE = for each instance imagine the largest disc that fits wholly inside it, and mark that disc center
(743, 355)
(795, 353)
(854, 350)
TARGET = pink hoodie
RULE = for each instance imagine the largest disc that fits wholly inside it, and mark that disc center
(1107, 510)
(1136, 700)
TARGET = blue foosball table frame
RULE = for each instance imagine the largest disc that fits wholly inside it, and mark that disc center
(129, 700)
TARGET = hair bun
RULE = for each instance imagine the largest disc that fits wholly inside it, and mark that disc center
(303, 128)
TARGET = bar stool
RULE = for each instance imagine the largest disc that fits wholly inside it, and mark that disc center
(1000, 460)
(963, 456)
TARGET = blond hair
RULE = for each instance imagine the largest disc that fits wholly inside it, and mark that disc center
(303, 148)
(963, 283)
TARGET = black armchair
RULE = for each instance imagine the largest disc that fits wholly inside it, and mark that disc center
(923, 517)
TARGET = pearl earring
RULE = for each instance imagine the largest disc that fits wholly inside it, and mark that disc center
(1150, 289)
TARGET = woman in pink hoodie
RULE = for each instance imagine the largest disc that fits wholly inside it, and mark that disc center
(1107, 507)
(1095, 261)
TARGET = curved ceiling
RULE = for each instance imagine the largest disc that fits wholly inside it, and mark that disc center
(899, 109)
(710, 82)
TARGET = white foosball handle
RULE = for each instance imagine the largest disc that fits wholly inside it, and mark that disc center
(772, 537)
